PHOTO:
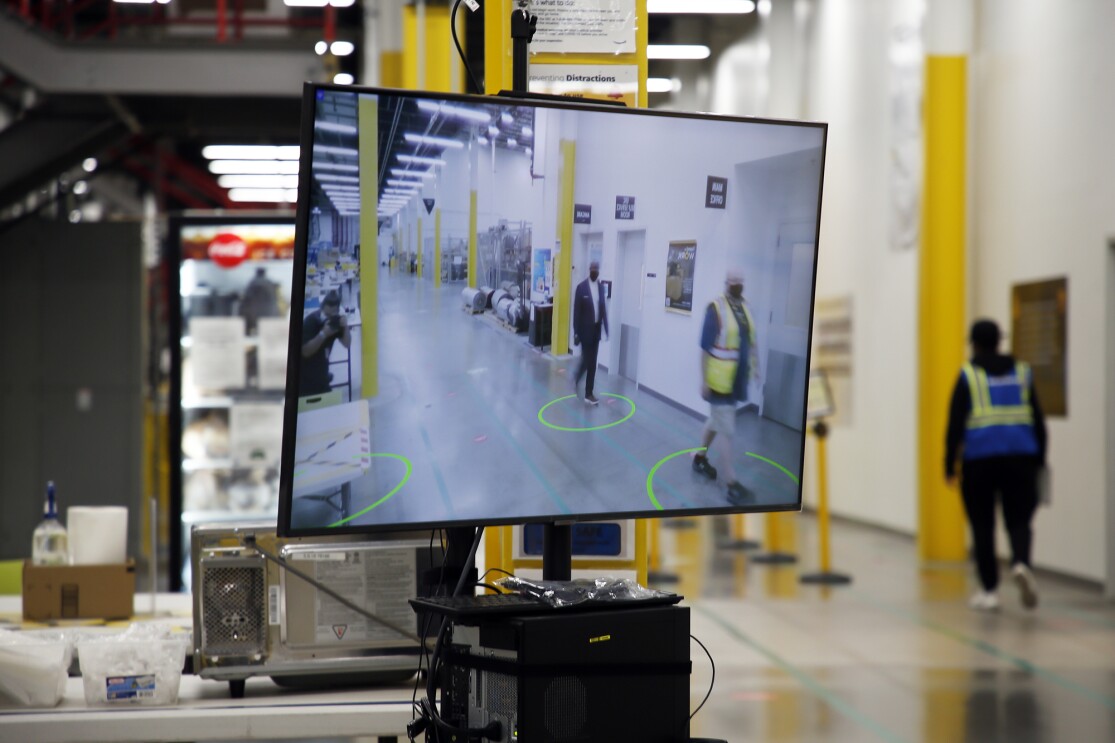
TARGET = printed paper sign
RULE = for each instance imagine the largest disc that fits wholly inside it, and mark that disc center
(584, 26)
(595, 82)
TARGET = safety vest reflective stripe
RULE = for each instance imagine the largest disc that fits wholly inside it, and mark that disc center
(986, 413)
(722, 367)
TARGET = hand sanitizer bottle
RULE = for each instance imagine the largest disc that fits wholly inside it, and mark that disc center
(50, 544)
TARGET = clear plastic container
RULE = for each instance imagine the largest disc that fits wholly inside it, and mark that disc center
(140, 666)
(33, 670)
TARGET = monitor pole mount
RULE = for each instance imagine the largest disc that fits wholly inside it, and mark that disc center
(523, 25)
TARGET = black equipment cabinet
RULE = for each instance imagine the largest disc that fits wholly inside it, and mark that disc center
(603, 675)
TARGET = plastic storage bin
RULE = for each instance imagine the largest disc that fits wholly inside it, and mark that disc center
(136, 667)
(33, 669)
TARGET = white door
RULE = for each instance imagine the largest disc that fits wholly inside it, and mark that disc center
(787, 331)
(627, 304)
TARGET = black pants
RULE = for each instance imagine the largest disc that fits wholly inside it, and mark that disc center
(1013, 482)
(587, 365)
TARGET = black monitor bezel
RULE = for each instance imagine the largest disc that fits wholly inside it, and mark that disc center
(298, 300)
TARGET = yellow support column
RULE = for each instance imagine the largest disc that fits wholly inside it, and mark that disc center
(429, 57)
(473, 269)
(942, 271)
(418, 258)
(388, 26)
(563, 265)
(437, 247)
(368, 121)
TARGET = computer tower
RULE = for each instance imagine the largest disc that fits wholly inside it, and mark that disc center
(252, 618)
(572, 677)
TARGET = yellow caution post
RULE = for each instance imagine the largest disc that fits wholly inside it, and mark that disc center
(825, 577)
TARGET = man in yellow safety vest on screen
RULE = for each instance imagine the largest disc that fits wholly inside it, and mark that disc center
(996, 428)
(729, 359)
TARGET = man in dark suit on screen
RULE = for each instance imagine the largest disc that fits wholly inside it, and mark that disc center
(590, 317)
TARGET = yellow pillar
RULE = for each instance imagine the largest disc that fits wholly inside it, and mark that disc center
(429, 58)
(942, 270)
(388, 30)
(437, 247)
(368, 120)
(418, 258)
(563, 265)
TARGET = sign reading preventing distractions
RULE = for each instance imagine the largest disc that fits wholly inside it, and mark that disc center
(625, 207)
(716, 193)
(582, 214)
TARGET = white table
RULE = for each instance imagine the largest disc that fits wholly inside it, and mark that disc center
(205, 712)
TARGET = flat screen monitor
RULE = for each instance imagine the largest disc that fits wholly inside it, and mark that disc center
(517, 310)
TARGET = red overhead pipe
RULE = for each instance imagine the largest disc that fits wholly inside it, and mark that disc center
(329, 33)
(222, 9)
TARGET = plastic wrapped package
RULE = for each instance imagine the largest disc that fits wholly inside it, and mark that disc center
(572, 592)
(142, 665)
(33, 670)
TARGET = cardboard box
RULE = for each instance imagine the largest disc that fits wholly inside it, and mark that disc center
(78, 591)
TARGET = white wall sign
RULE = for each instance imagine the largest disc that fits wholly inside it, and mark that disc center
(217, 354)
(598, 82)
(584, 26)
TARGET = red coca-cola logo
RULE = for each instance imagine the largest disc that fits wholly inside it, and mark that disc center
(227, 250)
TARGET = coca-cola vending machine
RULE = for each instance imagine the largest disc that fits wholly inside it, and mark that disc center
(231, 275)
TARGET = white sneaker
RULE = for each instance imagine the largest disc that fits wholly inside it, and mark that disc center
(985, 601)
(1024, 579)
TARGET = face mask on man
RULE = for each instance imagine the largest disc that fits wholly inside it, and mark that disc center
(735, 290)
(594, 275)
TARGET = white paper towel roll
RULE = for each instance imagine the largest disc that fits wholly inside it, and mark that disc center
(98, 534)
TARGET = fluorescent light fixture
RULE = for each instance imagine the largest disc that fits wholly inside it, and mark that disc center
(342, 3)
(273, 195)
(134, 2)
(401, 183)
(80, 187)
(89, 164)
(330, 150)
(250, 152)
(662, 85)
(341, 167)
(418, 160)
(738, 7)
(457, 112)
(343, 78)
(257, 181)
(433, 141)
(765, 7)
(422, 174)
(254, 167)
(342, 48)
(506, 118)
(677, 51)
(305, 3)
(528, 132)
(512, 142)
(528, 150)
(335, 178)
(321, 48)
(493, 131)
(333, 126)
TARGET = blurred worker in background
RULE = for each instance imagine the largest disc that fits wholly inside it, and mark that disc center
(590, 318)
(729, 359)
(997, 429)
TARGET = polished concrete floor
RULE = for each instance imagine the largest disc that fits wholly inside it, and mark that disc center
(895, 657)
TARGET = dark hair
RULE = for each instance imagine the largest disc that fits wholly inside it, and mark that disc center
(985, 335)
(332, 299)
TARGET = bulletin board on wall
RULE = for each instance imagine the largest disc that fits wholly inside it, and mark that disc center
(1039, 332)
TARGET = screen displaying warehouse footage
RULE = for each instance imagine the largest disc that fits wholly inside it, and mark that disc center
(517, 311)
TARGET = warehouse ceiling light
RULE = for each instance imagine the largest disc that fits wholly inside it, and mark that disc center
(333, 126)
(738, 7)
(305, 3)
(677, 51)
(321, 48)
(254, 167)
(335, 178)
(426, 139)
(342, 48)
(251, 152)
(343, 78)
(257, 181)
(325, 149)
(663, 85)
(270, 195)
(457, 112)
(418, 160)
(423, 174)
(341, 167)
(89, 164)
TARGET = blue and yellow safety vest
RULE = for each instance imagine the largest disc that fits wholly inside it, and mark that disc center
(1001, 422)
(720, 372)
